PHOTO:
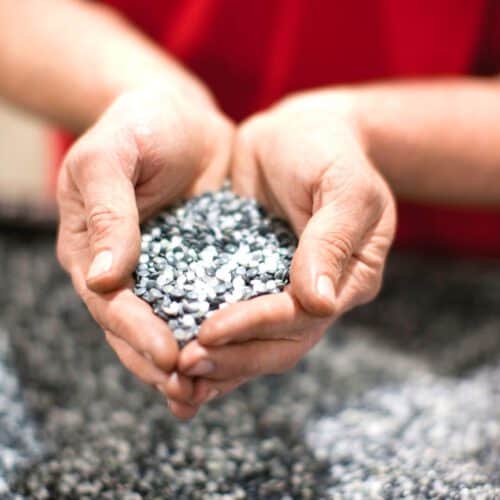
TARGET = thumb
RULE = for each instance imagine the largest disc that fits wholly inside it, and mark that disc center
(324, 251)
(112, 223)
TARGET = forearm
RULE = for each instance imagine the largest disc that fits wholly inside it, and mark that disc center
(435, 141)
(68, 59)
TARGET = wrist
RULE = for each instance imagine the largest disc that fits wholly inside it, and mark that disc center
(163, 77)
(154, 80)
(132, 61)
(339, 106)
(347, 106)
(360, 111)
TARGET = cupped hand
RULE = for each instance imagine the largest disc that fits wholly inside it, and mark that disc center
(152, 146)
(307, 161)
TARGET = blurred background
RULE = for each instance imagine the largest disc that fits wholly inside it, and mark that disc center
(401, 400)
(24, 159)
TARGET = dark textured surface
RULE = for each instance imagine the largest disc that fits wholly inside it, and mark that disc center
(402, 399)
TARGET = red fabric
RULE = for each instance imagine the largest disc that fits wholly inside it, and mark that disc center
(251, 53)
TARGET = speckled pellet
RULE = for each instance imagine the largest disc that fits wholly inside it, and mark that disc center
(213, 250)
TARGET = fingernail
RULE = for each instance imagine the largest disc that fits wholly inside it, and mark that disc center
(211, 395)
(203, 367)
(101, 264)
(173, 378)
(324, 287)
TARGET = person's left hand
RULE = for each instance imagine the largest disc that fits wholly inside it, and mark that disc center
(306, 161)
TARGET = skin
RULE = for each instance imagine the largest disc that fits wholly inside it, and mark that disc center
(322, 159)
(150, 133)
(305, 160)
(327, 160)
(136, 159)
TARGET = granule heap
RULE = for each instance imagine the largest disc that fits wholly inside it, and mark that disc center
(210, 251)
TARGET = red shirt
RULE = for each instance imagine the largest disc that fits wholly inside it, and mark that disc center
(252, 52)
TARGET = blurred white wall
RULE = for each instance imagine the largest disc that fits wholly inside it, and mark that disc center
(23, 156)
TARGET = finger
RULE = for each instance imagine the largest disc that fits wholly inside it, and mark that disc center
(248, 178)
(134, 362)
(149, 374)
(132, 320)
(182, 411)
(247, 360)
(245, 174)
(179, 388)
(102, 173)
(216, 172)
(363, 277)
(186, 390)
(208, 390)
(178, 391)
(277, 316)
(325, 248)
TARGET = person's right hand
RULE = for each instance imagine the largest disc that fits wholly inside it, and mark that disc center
(151, 147)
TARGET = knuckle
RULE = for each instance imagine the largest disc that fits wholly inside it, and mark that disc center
(84, 152)
(101, 219)
(161, 351)
(337, 246)
(104, 146)
(369, 286)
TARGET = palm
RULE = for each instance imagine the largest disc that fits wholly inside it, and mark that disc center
(306, 164)
(307, 159)
(147, 151)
